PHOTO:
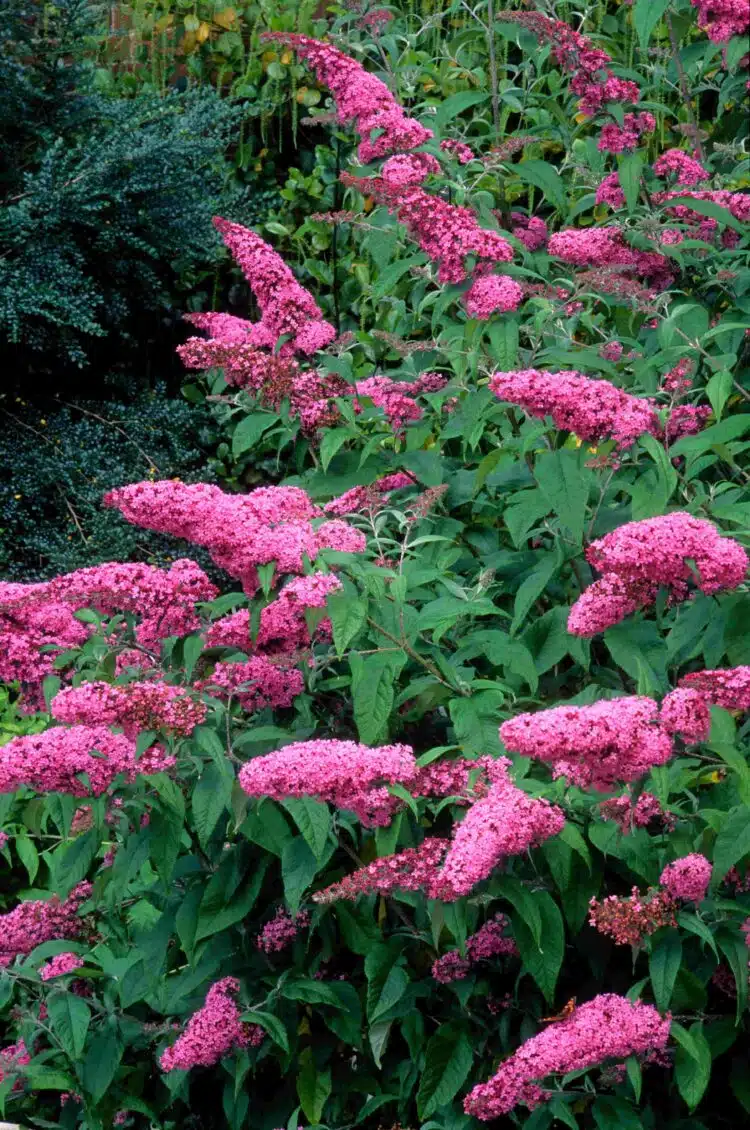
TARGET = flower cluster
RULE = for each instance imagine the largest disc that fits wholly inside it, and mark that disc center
(345, 773)
(368, 498)
(11, 1058)
(281, 931)
(640, 556)
(597, 746)
(53, 761)
(490, 294)
(488, 942)
(361, 98)
(607, 1027)
(646, 810)
(628, 920)
(287, 309)
(687, 170)
(446, 232)
(687, 878)
(593, 409)
(727, 687)
(504, 822)
(397, 398)
(685, 711)
(36, 921)
(414, 869)
(606, 247)
(241, 532)
(211, 1032)
(722, 19)
(255, 684)
(59, 965)
(132, 706)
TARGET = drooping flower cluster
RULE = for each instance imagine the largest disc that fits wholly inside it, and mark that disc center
(687, 170)
(686, 712)
(255, 684)
(368, 498)
(397, 398)
(345, 773)
(639, 557)
(287, 309)
(31, 923)
(211, 1033)
(722, 19)
(530, 230)
(597, 746)
(413, 869)
(241, 532)
(132, 706)
(685, 420)
(361, 99)
(687, 878)
(606, 247)
(281, 931)
(593, 409)
(53, 761)
(488, 942)
(607, 1027)
(630, 919)
(13, 1057)
(59, 965)
(283, 627)
(505, 822)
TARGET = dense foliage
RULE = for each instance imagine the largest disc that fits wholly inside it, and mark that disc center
(430, 804)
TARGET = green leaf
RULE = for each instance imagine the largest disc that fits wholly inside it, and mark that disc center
(313, 1087)
(333, 440)
(219, 911)
(646, 15)
(545, 177)
(542, 960)
(565, 484)
(310, 992)
(101, 1063)
(298, 869)
(313, 820)
(455, 104)
(270, 1024)
(348, 614)
(718, 391)
(724, 432)
(732, 842)
(663, 966)
(210, 799)
(28, 855)
(707, 208)
(69, 1018)
(448, 1059)
(504, 343)
(192, 646)
(373, 677)
(523, 902)
(692, 1065)
(248, 432)
(532, 588)
(629, 174)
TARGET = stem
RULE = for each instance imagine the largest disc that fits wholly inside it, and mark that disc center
(493, 69)
(405, 646)
(684, 87)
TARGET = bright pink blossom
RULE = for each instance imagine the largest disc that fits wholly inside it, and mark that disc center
(133, 706)
(686, 712)
(609, 191)
(31, 923)
(409, 168)
(685, 420)
(281, 931)
(687, 878)
(345, 773)
(687, 169)
(530, 230)
(595, 746)
(254, 684)
(211, 1033)
(459, 149)
(639, 815)
(606, 247)
(59, 965)
(490, 294)
(607, 1027)
(53, 761)
(621, 139)
(11, 1058)
(593, 409)
(728, 687)
(505, 822)
(607, 602)
(723, 19)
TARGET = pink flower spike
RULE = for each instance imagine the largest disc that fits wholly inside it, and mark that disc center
(687, 878)
(211, 1033)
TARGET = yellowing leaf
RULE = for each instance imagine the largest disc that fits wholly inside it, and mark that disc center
(225, 18)
(203, 32)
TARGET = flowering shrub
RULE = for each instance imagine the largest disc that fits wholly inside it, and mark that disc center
(436, 811)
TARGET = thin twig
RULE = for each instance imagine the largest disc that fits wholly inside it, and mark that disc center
(72, 512)
(111, 424)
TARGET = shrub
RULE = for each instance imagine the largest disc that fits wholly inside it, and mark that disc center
(439, 812)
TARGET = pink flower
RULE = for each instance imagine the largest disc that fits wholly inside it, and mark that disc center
(607, 1027)
(611, 351)
(255, 684)
(286, 307)
(414, 869)
(646, 809)
(281, 931)
(687, 169)
(459, 149)
(687, 878)
(53, 761)
(530, 230)
(621, 139)
(592, 409)
(133, 706)
(609, 192)
(727, 687)
(722, 19)
(361, 98)
(629, 920)
(594, 746)
(345, 773)
(225, 328)
(606, 247)
(686, 712)
(59, 965)
(409, 168)
(450, 967)
(492, 293)
(685, 420)
(507, 821)
(211, 1033)
(607, 602)
(34, 922)
(11, 1058)
(393, 397)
